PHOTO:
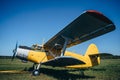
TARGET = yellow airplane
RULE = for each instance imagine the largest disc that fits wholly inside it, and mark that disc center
(88, 25)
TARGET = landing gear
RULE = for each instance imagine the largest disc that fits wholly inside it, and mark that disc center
(36, 71)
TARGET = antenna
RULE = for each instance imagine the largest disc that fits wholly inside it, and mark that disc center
(43, 41)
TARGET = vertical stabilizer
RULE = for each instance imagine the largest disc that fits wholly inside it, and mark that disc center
(93, 54)
(92, 49)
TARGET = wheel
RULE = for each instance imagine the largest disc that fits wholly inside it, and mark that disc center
(36, 73)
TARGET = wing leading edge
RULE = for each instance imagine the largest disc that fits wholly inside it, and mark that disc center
(88, 25)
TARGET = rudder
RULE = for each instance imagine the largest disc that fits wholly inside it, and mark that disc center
(93, 54)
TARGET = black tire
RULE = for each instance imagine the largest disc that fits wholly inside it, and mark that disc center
(36, 73)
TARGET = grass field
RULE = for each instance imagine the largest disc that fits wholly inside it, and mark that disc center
(109, 69)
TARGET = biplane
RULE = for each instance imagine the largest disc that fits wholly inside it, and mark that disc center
(88, 25)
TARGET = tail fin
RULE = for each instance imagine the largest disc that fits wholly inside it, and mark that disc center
(93, 54)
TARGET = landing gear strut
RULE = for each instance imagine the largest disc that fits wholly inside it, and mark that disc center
(36, 71)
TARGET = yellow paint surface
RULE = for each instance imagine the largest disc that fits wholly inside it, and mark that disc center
(37, 57)
(12, 71)
(91, 57)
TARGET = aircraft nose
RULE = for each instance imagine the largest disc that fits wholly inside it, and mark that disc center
(22, 53)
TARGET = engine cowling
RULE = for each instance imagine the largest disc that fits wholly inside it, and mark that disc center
(22, 53)
(31, 55)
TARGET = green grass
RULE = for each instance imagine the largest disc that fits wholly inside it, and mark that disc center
(109, 69)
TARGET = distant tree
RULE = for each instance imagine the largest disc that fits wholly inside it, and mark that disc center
(108, 56)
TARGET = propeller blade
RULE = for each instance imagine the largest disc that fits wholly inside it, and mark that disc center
(14, 51)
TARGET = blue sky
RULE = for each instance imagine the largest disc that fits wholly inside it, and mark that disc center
(31, 21)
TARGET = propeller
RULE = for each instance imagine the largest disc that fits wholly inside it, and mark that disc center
(14, 51)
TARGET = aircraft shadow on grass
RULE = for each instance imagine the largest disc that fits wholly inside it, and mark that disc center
(63, 74)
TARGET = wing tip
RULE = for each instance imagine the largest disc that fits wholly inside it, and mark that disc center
(99, 15)
(94, 11)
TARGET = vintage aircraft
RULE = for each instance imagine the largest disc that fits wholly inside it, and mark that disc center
(88, 25)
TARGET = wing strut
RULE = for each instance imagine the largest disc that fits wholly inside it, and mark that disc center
(65, 45)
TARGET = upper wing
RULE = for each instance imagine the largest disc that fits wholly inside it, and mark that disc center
(88, 25)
